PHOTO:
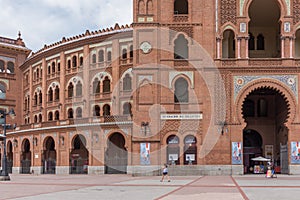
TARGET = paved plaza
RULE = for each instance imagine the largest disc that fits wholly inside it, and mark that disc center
(125, 187)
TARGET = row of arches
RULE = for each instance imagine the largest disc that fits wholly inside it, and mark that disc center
(7, 67)
(146, 7)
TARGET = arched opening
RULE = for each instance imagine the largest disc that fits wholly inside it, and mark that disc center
(49, 156)
(173, 150)
(228, 44)
(181, 48)
(79, 156)
(265, 111)
(116, 155)
(10, 157)
(190, 150)
(265, 27)
(297, 44)
(25, 157)
(181, 94)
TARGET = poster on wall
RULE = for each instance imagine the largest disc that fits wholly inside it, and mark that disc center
(236, 153)
(295, 154)
(145, 154)
(269, 151)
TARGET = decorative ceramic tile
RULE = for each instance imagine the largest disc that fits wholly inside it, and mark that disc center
(291, 81)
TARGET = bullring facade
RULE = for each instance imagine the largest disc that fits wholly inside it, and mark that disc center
(202, 85)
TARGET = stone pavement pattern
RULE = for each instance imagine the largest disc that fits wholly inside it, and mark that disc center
(125, 187)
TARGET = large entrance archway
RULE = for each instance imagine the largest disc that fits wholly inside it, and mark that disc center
(10, 157)
(25, 157)
(116, 155)
(265, 111)
(79, 156)
(49, 156)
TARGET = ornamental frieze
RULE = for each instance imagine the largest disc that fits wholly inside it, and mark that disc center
(291, 81)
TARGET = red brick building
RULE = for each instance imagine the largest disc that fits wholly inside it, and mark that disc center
(203, 85)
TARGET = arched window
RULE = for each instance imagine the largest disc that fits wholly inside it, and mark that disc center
(149, 7)
(131, 51)
(106, 110)
(142, 7)
(260, 42)
(94, 60)
(79, 113)
(25, 104)
(50, 95)
(50, 116)
(40, 97)
(10, 67)
(101, 56)
(181, 7)
(96, 111)
(2, 69)
(37, 73)
(127, 109)
(58, 67)
(124, 54)
(79, 89)
(181, 49)
(74, 61)
(70, 90)
(35, 98)
(262, 108)
(106, 85)
(109, 56)
(49, 69)
(56, 93)
(96, 86)
(81, 61)
(70, 114)
(228, 44)
(40, 118)
(251, 43)
(69, 64)
(35, 119)
(53, 67)
(181, 91)
(56, 115)
(127, 83)
(2, 91)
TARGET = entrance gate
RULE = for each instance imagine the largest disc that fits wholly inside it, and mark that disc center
(284, 162)
(116, 155)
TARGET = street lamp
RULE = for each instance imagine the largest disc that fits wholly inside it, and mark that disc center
(4, 173)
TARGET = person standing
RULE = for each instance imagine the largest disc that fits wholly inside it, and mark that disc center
(165, 173)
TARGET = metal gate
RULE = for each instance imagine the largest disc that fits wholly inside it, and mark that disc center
(79, 165)
(116, 162)
(25, 166)
(284, 161)
(9, 166)
(49, 166)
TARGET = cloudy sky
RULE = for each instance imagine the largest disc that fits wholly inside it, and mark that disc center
(47, 21)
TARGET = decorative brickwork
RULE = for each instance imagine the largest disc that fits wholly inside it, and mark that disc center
(296, 11)
(228, 11)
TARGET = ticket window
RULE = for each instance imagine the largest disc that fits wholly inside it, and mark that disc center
(190, 150)
(173, 150)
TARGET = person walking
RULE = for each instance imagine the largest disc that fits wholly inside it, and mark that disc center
(165, 173)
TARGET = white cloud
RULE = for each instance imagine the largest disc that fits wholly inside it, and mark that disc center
(47, 21)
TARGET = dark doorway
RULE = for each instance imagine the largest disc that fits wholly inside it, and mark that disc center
(25, 157)
(49, 157)
(79, 156)
(116, 155)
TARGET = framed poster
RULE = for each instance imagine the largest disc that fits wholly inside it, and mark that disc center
(295, 152)
(145, 154)
(269, 151)
(236, 153)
